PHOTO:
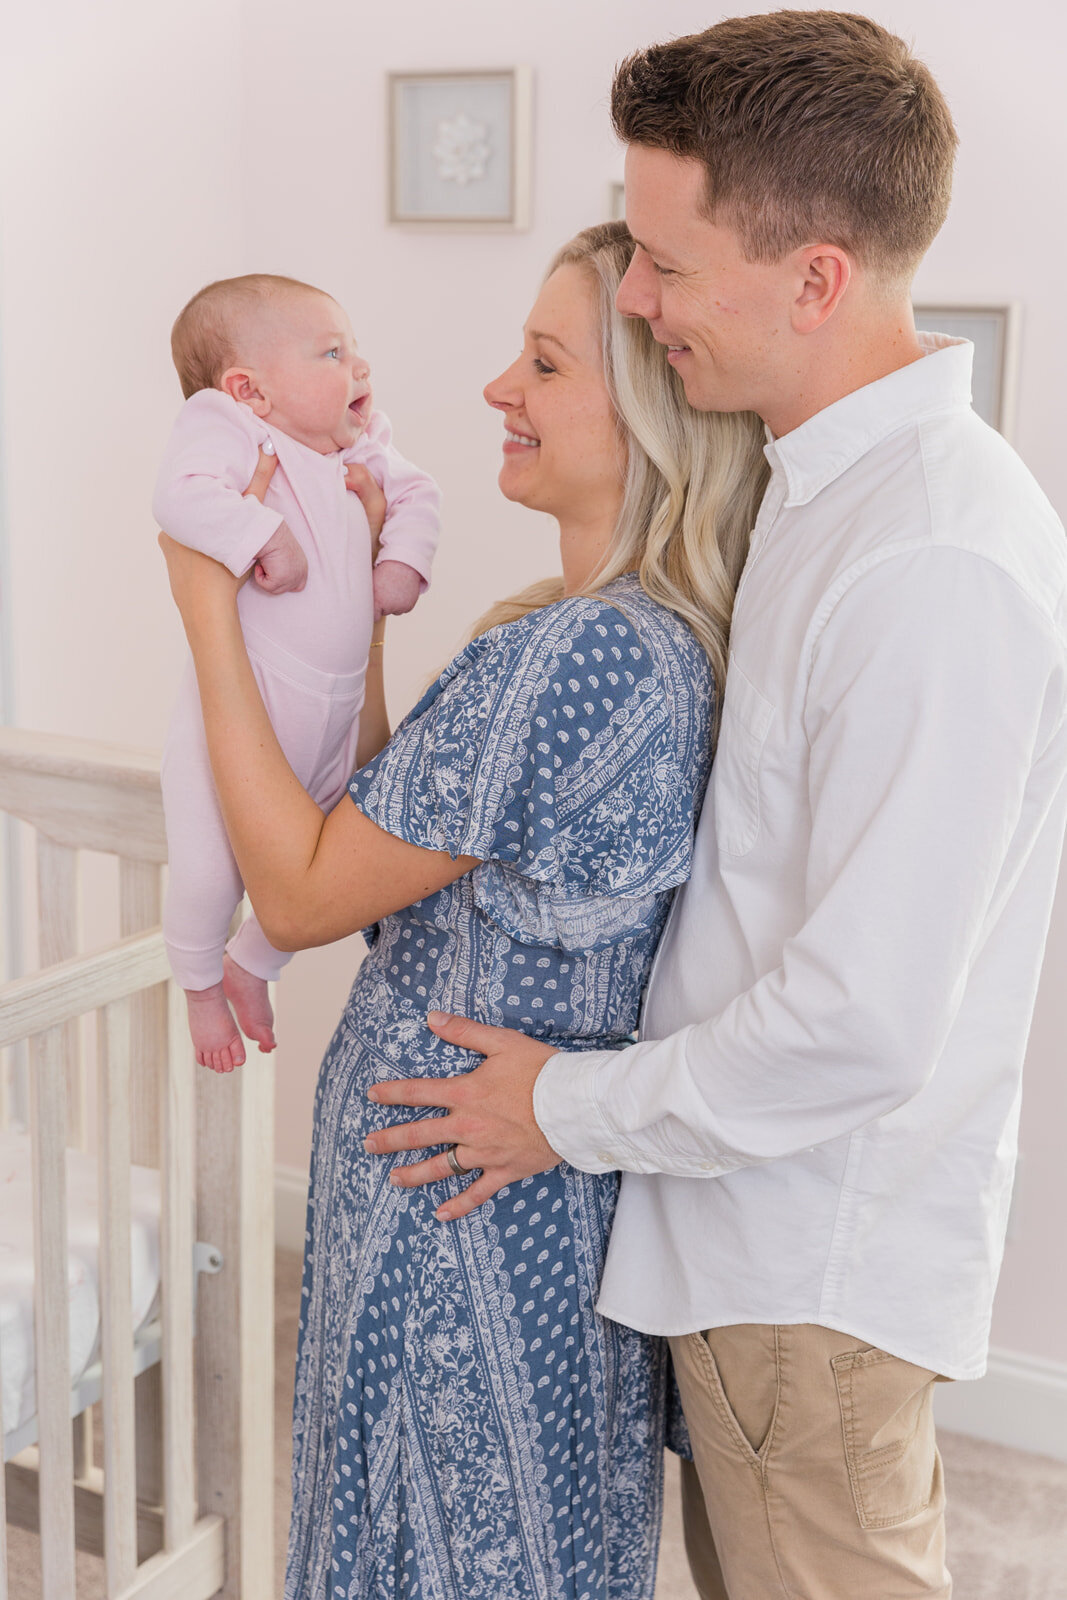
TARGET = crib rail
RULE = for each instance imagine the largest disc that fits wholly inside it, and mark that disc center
(59, 994)
(82, 795)
(178, 1510)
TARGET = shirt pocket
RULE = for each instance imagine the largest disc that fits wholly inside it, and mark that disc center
(746, 721)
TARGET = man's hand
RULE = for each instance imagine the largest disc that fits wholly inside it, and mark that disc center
(490, 1115)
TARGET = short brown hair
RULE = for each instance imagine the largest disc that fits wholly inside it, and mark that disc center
(813, 126)
(204, 338)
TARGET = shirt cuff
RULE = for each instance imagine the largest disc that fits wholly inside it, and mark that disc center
(567, 1110)
(261, 523)
(418, 559)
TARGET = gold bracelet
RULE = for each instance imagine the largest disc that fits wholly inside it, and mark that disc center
(376, 644)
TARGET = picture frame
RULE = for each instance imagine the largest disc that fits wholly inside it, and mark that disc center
(993, 330)
(460, 149)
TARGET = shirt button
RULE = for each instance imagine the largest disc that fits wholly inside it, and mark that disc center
(709, 1166)
(605, 1156)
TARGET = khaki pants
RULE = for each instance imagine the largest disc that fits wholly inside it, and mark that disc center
(816, 1472)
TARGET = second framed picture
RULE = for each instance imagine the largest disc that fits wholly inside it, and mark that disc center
(460, 149)
(993, 330)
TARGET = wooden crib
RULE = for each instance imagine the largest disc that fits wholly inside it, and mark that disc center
(180, 1505)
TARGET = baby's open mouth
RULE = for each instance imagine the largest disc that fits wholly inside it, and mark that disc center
(358, 407)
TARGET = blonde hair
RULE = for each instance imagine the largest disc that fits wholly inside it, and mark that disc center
(694, 479)
(204, 339)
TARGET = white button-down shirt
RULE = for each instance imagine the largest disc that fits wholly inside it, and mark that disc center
(819, 1124)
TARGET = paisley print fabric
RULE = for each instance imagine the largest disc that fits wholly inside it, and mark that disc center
(465, 1426)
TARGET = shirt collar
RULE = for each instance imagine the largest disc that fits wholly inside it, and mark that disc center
(834, 439)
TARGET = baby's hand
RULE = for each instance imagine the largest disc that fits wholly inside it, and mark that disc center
(371, 493)
(281, 567)
(396, 588)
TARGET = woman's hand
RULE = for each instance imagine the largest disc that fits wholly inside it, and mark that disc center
(265, 469)
(370, 492)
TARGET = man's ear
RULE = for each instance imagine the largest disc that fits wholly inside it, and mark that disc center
(242, 385)
(824, 272)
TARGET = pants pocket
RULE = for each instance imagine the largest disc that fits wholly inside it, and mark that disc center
(752, 1375)
(887, 1420)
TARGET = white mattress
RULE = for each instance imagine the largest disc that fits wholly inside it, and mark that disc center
(17, 1360)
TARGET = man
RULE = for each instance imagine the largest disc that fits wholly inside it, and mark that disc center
(817, 1130)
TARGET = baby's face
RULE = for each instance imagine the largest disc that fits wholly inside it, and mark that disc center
(308, 368)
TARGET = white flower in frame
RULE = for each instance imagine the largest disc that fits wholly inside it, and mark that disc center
(462, 149)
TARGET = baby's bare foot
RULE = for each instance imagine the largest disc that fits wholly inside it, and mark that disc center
(215, 1035)
(250, 999)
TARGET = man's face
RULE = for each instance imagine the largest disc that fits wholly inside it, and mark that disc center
(724, 320)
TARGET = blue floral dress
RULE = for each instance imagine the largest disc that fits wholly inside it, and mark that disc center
(465, 1426)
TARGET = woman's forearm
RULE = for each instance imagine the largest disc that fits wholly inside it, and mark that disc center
(374, 717)
(273, 824)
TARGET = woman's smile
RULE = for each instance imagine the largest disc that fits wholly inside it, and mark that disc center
(514, 441)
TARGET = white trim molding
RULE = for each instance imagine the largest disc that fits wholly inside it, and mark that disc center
(1021, 1401)
(290, 1207)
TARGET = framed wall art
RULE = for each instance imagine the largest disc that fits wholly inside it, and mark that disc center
(993, 330)
(460, 149)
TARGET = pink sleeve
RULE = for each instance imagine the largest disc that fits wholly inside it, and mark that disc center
(209, 460)
(413, 516)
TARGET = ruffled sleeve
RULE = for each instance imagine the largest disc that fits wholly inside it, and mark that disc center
(549, 751)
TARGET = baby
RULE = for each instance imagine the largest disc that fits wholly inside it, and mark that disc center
(269, 363)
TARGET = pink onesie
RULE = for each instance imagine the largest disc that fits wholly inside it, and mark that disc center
(308, 650)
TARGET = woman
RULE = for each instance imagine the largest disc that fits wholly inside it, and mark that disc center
(465, 1425)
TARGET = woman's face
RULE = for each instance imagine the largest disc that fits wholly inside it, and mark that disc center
(562, 448)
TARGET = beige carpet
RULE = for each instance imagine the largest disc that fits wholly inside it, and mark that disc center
(1007, 1520)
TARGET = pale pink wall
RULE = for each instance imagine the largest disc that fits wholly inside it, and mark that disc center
(161, 146)
(119, 183)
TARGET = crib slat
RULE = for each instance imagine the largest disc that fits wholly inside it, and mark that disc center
(51, 1311)
(141, 908)
(179, 1170)
(6, 1073)
(235, 1315)
(113, 1132)
(57, 923)
(57, 894)
(57, 938)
